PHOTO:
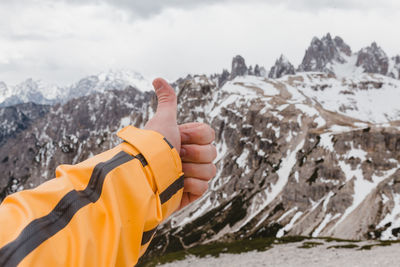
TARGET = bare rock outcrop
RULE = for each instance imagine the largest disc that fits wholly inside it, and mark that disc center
(373, 59)
(239, 67)
(324, 51)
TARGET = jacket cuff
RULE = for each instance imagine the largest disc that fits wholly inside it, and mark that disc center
(162, 158)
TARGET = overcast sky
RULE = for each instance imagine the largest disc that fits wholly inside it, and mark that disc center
(62, 41)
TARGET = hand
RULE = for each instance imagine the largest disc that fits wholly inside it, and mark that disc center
(197, 154)
(195, 139)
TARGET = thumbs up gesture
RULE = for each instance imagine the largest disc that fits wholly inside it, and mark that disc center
(192, 140)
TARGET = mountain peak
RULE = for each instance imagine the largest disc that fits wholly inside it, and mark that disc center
(282, 67)
(326, 51)
(373, 59)
(239, 67)
(283, 59)
(327, 37)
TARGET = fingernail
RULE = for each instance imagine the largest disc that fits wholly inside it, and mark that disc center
(157, 83)
(182, 152)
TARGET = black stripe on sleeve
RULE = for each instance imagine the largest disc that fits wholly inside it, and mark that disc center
(164, 197)
(142, 160)
(45, 227)
(170, 145)
(171, 190)
(148, 235)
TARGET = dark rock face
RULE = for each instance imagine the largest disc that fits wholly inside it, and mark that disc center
(257, 70)
(342, 46)
(324, 51)
(16, 119)
(223, 77)
(373, 59)
(281, 68)
(394, 72)
(239, 67)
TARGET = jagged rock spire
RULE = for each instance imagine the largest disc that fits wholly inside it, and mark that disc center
(239, 67)
(373, 59)
(257, 70)
(324, 51)
(282, 67)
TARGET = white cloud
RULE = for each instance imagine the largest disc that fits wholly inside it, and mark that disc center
(61, 42)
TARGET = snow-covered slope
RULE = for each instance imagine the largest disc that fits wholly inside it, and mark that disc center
(371, 98)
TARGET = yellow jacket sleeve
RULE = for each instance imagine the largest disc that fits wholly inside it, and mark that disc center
(101, 212)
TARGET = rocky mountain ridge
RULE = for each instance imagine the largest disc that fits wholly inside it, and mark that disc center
(287, 166)
(311, 153)
(18, 118)
(328, 55)
(334, 56)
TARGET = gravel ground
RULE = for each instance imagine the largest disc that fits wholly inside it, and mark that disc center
(292, 255)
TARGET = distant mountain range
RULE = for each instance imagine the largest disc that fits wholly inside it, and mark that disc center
(39, 92)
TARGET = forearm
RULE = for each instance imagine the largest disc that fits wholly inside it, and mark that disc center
(101, 212)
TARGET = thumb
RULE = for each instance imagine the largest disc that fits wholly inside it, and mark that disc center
(164, 121)
(166, 98)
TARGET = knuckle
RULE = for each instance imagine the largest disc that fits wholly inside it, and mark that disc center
(196, 153)
(187, 168)
(188, 183)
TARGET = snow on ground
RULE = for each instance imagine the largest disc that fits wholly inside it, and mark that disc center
(326, 141)
(242, 160)
(339, 95)
(217, 111)
(312, 113)
(256, 82)
(393, 217)
(347, 69)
